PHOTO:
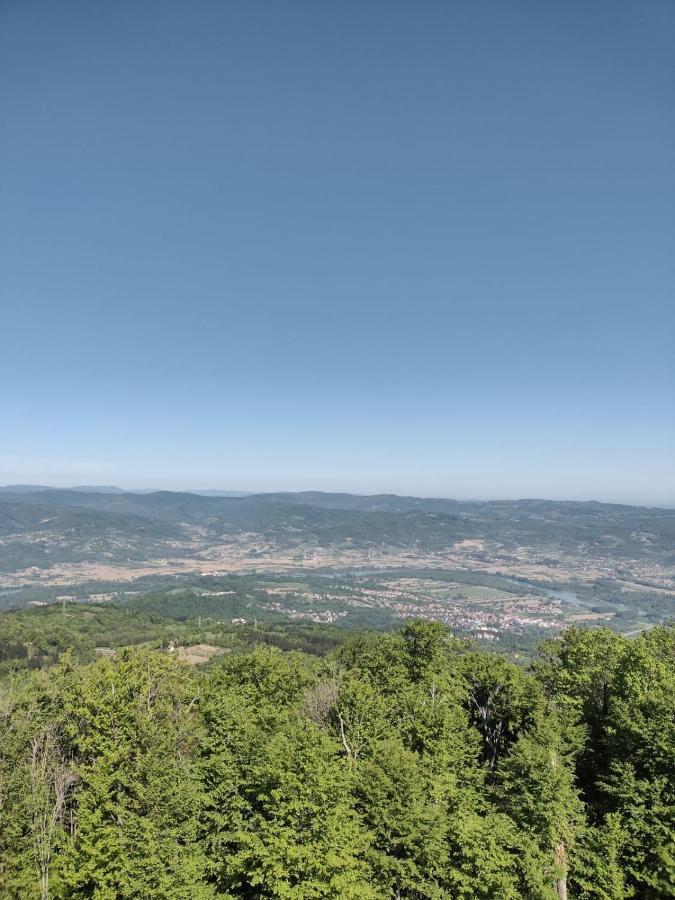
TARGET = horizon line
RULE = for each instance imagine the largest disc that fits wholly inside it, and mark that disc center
(235, 492)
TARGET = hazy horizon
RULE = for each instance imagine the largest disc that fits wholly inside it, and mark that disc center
(315, 246)
(187, 487)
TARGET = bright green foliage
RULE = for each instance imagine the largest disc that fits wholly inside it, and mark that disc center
(267, 675)
(598, 873)
(424, 648)
(301, 837)
(132, 726)
(578, 669)
(640, 786)
(535, 784)
(433, 721)
(37, 779)
(382, 659)
(623, 693)
(403, 766)
(577, 674)
(489, 858)
(278, 817)
(405, 812)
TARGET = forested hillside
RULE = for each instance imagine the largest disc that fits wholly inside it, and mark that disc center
(47, 527)
(401, 765)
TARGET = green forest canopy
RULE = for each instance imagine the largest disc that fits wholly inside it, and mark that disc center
(399, 765)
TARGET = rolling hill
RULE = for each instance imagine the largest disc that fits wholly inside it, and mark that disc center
(39, 527)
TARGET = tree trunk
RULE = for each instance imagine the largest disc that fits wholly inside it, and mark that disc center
(561, 862)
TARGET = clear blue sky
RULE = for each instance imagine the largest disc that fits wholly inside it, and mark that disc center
(419, 247)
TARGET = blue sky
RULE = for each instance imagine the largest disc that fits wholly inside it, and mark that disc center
(416, 247)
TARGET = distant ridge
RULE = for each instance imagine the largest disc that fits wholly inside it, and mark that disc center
(216, 493)
(81, 488)
(330, 500)
(41, 528)
(113, 489)
(24, 488)
(96, 489)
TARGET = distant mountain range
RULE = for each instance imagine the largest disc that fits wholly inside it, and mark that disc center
(42, 526)
(109, 489)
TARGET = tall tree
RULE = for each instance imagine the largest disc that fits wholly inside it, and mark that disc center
(503, 701)
(36, 780)
(405, 812)
(577, 673)
(536, 788)
(640, 786)
(597, 872)
(132, 723)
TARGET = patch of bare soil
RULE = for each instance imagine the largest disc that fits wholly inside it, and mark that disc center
(198, 654)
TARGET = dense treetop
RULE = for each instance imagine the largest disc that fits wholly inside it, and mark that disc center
(399, 765)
